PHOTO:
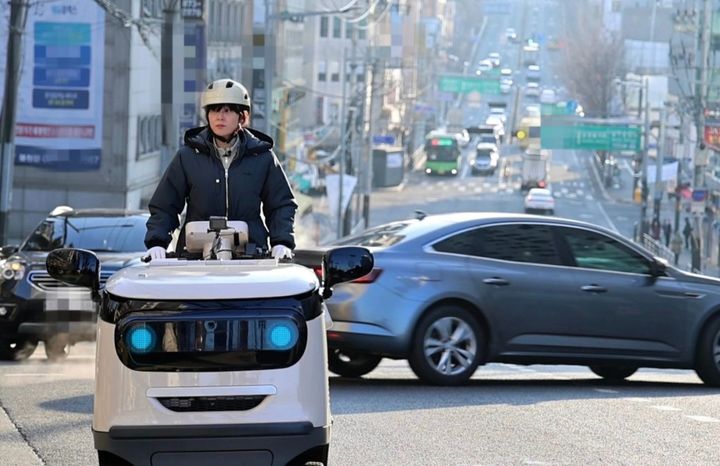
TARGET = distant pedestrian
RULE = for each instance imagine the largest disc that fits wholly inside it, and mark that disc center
(655, 229)
(667, 231)
(687, 232)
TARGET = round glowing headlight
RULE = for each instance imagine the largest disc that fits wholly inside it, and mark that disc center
(141, 339)
(282, 335)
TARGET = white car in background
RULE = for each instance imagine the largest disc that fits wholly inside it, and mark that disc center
(548, 96)
(494, 58)
(506, 85)
(532, 90)
(540, 200)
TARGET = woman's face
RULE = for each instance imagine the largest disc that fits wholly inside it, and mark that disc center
(224, 122)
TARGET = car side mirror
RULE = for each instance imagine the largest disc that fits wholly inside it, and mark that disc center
(658, 267)
(77, 267)
(345, 264)
(7, 251)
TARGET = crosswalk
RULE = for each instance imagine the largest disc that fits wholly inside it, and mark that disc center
(571, 189)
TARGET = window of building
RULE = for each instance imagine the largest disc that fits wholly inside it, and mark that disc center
(337, 28)
(348, 30)
(324, 25)
(149, 134)
(334, 71)
(322, 71)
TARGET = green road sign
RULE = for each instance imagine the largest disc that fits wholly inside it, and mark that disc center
(467, 84)
(559, 108)
(576, 134)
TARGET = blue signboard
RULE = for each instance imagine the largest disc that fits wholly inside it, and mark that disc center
(388, 139)
(60, 110)
(61, 77)
(55, 98)
(699, 195)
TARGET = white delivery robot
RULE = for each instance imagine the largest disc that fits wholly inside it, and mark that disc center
(220, 360)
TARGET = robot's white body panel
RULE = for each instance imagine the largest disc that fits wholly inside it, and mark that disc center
(131, 422)
(123, 397)
(236, 279)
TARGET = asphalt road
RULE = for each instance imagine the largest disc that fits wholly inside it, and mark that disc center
(507, 414)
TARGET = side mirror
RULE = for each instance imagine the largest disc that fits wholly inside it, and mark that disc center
(77, 267)
(658, 267)
(7, 251)
(345, 264)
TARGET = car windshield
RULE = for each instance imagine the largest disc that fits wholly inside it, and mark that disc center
(99, 234)
(382, 236)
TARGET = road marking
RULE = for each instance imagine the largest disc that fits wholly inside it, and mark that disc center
(637, 399)
(666, 408)
(605, 390)
(703, 418)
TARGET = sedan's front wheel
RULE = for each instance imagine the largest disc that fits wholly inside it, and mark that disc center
(18, 349)
(351, 363)
(707, 362)
(447, 347)
(615, 373)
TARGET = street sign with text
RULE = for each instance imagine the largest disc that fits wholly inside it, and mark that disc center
(568, 133)
(466, 84)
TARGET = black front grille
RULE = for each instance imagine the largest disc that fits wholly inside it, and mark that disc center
(45, 282)
(212, 403)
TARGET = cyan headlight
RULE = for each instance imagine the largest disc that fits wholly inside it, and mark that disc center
(141, 339)
(281, 335)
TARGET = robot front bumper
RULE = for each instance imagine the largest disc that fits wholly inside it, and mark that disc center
(212, 387)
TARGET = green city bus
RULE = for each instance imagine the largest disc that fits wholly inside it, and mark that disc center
(442, 151)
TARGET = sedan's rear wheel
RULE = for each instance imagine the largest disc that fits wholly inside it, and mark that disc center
(57, 347)
(616, 373)
(447, 347)
(707, 362)
(17, 349)
(351, 363)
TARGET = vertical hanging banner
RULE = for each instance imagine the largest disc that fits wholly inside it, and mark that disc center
(60, 98)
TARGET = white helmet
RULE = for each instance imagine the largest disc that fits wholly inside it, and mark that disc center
(225, 91)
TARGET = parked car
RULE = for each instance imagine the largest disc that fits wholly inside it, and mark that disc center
(450, 292)
(34, 306)
(539, 200)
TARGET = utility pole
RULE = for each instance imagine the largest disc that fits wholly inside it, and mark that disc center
(171, 77)
(18, 15)
(700, 96)
(377, 72)
(659, 160)
(270, 62)
(643, 227)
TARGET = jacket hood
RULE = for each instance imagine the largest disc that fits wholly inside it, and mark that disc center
(255, 141)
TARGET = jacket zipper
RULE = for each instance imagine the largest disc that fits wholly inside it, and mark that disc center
(227, 195)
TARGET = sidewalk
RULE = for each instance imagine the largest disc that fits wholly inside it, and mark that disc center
(621, 191)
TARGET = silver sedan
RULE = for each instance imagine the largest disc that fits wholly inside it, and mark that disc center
(450, 292)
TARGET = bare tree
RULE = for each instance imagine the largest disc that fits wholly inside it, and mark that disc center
(593, 59)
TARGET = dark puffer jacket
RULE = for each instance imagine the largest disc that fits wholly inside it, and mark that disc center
(196, 176)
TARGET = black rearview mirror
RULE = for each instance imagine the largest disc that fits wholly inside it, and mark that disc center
(77, 267)
(345, 264)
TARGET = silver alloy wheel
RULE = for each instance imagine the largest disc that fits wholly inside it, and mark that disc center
(450, 346)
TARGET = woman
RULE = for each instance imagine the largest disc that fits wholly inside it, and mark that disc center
(224, 169)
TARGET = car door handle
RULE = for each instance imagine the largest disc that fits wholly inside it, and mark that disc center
(495, 281)
(594, 289)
